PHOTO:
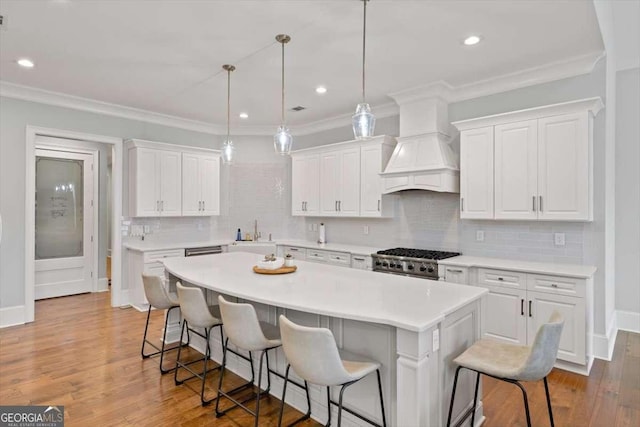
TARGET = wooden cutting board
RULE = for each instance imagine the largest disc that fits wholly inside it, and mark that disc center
(281, 270)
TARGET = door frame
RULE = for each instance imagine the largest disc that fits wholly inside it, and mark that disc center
(118, 296)
(95, 231)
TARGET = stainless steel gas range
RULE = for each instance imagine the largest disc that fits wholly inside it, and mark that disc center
(410, 262)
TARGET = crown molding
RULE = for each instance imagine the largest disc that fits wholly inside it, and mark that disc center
(27, 93)
(380, 111)
(579, 65)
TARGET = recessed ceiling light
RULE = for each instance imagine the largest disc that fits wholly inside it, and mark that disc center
(471, 40)
(321, 90)
(243, 115)
(26, 63)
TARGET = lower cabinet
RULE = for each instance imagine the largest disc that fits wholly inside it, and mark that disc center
(149, 263)
(504, 315)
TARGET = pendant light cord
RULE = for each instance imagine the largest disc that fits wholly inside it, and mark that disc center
(282, 114)
(228, 102)
(364, 45)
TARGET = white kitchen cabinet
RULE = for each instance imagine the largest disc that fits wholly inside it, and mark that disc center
(374, 156)
(305, 184)
(541, 163)
(341, 179)
(516, 170)
(563, 167)
(476, 173)
(361, 262)
(200, 185)
(458, 275)
(340, 182)
(148, 262)
(504, 315)
(155, 182)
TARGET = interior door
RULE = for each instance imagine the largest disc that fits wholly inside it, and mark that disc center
(64, 223)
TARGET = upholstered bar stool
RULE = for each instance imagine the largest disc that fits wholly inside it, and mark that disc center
(160, 299)
(197, 314)
(512, 363)
(314, 355)
(246, 332)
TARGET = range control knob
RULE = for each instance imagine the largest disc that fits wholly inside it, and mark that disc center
(384, 264)
(423, 268)
(431, 269)
(378, 263)
(410, 267)
(392, 265)
(398, 265)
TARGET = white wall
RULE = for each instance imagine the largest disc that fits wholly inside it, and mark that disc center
(628, 191)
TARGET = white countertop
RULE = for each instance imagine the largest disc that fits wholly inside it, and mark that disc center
(403, 302)
(159, 245)
(339, 247)
(570, 270)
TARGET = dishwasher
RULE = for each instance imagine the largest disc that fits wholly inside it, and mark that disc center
(206, 250)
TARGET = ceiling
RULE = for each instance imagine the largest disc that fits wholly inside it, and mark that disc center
(166, 56)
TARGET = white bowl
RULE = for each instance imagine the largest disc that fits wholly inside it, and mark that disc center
(271, 265)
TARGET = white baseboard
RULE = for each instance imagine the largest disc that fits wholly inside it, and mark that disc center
(628, 321)
(11, 316)
(603, 344)
(103, 284)
(124, 299)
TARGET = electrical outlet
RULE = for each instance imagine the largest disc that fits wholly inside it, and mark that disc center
(480, 236)
(558, 239)
(436, 340)
(147, 228)
(365, 229)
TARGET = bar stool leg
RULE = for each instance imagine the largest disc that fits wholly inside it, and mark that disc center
(526, 402)
(475, 400)
(207, 354)
(546, 389)
(384, 418)
(284, 393)
(175, 372)
(222, 369)
(259, 389)
(144, 337)
(328, 407)
(342, 389)
(453, 395)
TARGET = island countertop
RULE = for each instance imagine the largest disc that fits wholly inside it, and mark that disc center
(413, 304)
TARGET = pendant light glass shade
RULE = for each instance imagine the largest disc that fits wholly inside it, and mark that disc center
(364, 122)
(282, 140)
(228, 149)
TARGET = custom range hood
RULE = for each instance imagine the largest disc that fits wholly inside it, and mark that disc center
(423, 158)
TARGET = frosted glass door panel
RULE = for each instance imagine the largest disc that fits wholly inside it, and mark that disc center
(59, 208)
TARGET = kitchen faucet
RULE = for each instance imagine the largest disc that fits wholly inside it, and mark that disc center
(256, 235)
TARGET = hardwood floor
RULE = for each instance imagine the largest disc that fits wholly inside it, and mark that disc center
(85, 355)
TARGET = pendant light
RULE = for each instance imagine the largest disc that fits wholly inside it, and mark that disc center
(282, 140)
(227, 147)
(364, 122)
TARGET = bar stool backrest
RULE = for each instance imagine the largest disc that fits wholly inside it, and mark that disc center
(156, 293)
(194, 307)
(312, 353)
(242, 326)
(544, 350)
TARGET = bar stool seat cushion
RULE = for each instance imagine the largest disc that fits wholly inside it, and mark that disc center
(357, 366)
(494, 358)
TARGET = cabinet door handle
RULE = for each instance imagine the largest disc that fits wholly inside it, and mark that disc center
(540, 203)
(158, 205)
(162, 205)
(336, 206)
(461, 204)
(501, 278)
(378, 205)
(340, 205)
(305, 206)
(553, 285)
(522, 307)
(530, 312)
(533, 198)
(203, 205)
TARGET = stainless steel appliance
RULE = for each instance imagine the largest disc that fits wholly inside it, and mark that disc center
(206, 250)
(410, 262)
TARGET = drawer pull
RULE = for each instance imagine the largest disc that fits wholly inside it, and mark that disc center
(358, 259)
(454, 270)
(500, 278)
(294, 250)
(553, 285)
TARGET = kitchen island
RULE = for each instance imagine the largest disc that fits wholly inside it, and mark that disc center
(414, 327)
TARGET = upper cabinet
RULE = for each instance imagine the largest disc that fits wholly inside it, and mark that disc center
(305, 175)
(172, 180)
(531, 164)
(341, 179)
(200, 184)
